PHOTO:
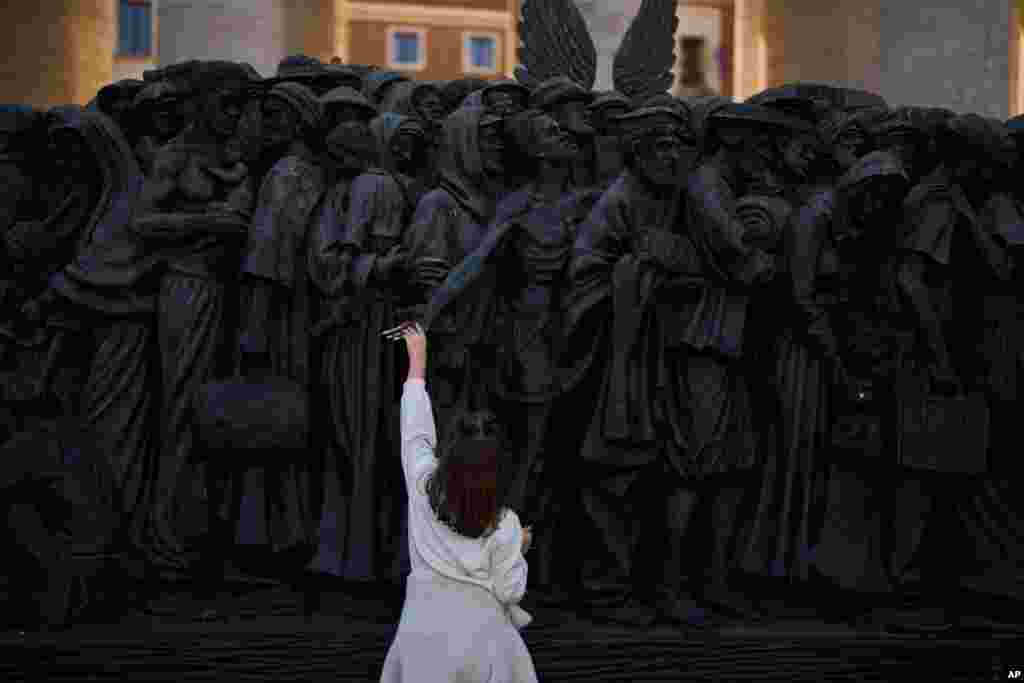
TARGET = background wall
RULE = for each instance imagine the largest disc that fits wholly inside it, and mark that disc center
(947, 53)
(56, 51)
(253, 31)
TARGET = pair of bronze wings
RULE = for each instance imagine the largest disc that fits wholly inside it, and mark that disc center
(555, 41)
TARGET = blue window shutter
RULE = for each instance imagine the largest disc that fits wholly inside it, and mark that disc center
(135, 28)
(482, 49)
(407, 48)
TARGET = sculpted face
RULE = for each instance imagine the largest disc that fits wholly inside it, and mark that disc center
(604, 118)
(344, 113)
(552, 141)
(850, 146)
(280, 122)
(660, 159)
(429, 105)
(573, 117)
(164, 119)
(492, 148)
(407, 151)
(875, 199)
(350, 145)
(798, 155)
(223, 112)
(504, 102)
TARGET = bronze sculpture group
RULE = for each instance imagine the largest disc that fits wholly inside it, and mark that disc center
(779, 338)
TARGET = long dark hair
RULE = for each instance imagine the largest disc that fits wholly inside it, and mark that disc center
(463, 491)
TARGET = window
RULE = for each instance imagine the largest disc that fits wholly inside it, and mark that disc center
(480, 53)
(407, 48)
(135, 28)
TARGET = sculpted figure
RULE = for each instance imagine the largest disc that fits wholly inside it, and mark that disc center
(858, 318)
(351, 150)
(608, 156)
(454, 93)
(448, 225)
(277, 299)
(117, 101)
(99, 361)
(516, 275)
(567, 103)
(421, 101)
(198, 200)
(19, 133)
(368, 283)
(158, 112)
(502, 98)
(378, 84)
(743, 145)
(633, 263)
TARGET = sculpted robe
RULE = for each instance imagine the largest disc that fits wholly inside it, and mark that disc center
(276, 255)
(448, 225)
(360, 368)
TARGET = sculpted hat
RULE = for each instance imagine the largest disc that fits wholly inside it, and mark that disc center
(337, 75)
(375, 81)
(156, 93)
(610, 98)
(758, 116)
(654, 121)
(347, 96)
(802, 101)
(303, 100)
(510, 85)
(559, 90)
(127, 87)
(297, 68)
(871, 166)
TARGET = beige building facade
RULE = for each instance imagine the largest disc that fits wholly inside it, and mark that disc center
(966, 55)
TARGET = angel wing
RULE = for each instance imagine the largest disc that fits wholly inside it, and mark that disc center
(643, 63)
(555, 41)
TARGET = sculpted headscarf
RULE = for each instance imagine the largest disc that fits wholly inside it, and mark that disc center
(401, 98)
(304, 101)
(385, 128)
(869, 168)
(120, 175)
(462, 168)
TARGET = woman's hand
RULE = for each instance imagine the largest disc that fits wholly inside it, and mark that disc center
(415, 344)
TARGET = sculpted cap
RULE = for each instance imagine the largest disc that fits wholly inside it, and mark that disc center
(648, 121)
(348, 96)
(559, 90)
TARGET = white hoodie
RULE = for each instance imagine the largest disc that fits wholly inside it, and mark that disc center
(495, 562)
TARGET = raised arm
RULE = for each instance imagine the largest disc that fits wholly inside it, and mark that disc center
(419, 435)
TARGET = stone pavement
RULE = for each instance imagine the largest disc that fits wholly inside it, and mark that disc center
(264, 638)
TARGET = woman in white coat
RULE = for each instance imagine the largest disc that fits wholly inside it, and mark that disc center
(461, 614)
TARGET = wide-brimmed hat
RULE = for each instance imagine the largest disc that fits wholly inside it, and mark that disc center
(337, 75)
(559, 90)
(297, 69)
(375, 82)
(156, 93)
(655, 120)
(757, 116)
(346, 96)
